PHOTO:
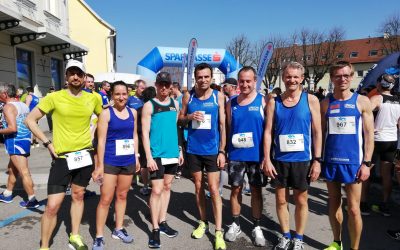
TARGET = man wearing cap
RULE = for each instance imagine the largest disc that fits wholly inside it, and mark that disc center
(72, 150)
(348, 129)
(229, 88)
(203, 110)
(387, 108)
(160, 142)
(245, 128)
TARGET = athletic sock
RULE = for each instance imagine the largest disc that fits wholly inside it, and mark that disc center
(256, 222)
(298, 236)
(287, 235)
(236, 220)
(30, 197)
(7, 192)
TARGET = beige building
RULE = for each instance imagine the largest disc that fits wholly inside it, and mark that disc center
(86, 27)
(34, 41)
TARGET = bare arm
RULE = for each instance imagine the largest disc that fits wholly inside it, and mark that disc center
(102, 127)
(228, 120)
(364, 105)
(269, 169)
(146, 121)
(135, 139)
(324, 109)
(10, 114)
(376, 101)
(316, 135)
(28, 100)
(222, 131)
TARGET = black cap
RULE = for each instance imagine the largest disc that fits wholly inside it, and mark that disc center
(386, 80)
(231, 81)
(163, 77)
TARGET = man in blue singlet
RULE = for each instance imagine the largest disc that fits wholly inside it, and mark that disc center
(17, 142)
(245, 128)
(348, 128)
(160, 142)
(293, 126)
(203, 110)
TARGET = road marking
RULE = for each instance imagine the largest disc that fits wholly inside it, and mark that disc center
(20, 215)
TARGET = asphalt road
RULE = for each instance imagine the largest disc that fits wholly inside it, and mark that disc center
(20, 228)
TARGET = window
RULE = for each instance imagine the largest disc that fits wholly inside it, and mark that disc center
(56, 73)
(373, 52)
(52, 7)
(353, 54)
(24, 68)
(340, 56)
(360, 73)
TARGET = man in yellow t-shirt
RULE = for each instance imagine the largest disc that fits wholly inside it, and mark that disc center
(72, 149)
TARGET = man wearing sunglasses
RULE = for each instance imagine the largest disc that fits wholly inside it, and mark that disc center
(72, 150)
(348, 129)
(160, 142)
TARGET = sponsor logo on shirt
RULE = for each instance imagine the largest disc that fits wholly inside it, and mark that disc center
(334, 106)
(208, 104)
(335, 111)
(349, 106)
(172, 109)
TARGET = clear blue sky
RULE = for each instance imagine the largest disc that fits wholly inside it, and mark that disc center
(144, 24)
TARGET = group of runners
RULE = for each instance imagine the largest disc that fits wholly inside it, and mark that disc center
(290, 138)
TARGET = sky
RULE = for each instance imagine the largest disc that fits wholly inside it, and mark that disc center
(144, 24)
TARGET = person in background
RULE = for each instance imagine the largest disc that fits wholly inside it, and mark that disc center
(31, 101)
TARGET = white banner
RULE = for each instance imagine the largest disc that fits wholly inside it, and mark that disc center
(265, 57)
(183, 69)
(190, 61)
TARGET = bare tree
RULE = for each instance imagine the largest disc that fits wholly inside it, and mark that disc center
(240, 47)
(390, 29)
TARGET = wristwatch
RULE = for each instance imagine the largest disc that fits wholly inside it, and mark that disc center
(46, 144)
(367, 163)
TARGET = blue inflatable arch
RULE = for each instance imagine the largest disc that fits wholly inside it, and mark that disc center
(160, 57)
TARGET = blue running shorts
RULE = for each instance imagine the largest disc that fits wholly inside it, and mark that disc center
(343, 173)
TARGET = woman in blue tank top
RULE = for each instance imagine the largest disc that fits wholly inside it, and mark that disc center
(117, 162)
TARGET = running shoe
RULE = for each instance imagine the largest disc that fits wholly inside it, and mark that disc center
(32, 203)
(258, 237)
(98, 243)
(199, 232)
(246, 191)
(167, 230)
(382, 209)
(283, 244)
(219, 241)
(76, 243)
(394, 234)
(233, 232)
(154, 241)
(145, 191)
(365, 209)
(297, 244)
(6, 199)
(334, 246)
(122, 235)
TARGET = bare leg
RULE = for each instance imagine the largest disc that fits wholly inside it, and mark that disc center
(335, 209)
(236, 200)
(256, 202)
(21, 164)
(77, 206)
(200, 197)
(213, 184)
(353, 210)
(49, 217)
(165, 196)
(155, 201)
(106, 196)
(301, 211)
(282, 197)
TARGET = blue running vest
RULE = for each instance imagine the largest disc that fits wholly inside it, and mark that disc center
(292, 131)
(245, 141)
(34, 102)
(343, 139)
(204, 140)
(119, 140)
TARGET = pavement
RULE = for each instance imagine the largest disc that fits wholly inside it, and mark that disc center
(20, 228)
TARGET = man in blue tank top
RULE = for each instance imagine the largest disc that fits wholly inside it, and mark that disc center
(293, 125)
(203, 110)
(245, 128)
(348, 128)
(160, 142)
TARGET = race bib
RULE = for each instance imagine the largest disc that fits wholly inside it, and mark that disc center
(169, 161)
(78, 159)
(342, 125)
(243, 140)
(205, 124)
(124, 147)
(291, 143)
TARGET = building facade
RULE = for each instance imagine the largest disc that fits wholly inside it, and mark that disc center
(34, 43)
(89, 29)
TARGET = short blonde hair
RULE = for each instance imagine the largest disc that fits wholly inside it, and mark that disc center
(293, 65)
